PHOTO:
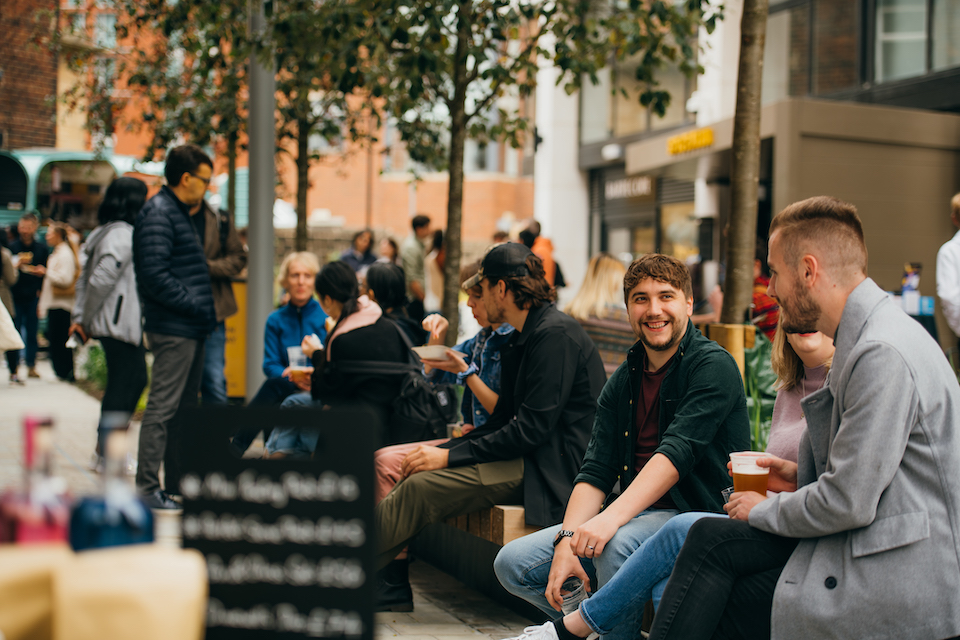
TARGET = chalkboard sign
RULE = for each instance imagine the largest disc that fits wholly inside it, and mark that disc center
(289, 543)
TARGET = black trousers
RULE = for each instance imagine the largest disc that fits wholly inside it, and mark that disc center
(58, 328)
(126, 376)
(722, 584)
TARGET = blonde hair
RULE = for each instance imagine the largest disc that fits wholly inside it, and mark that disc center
(786, 363)
(602, 287)
(63, 230)
(304, 258)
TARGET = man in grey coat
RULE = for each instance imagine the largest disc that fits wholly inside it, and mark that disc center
(864, 540)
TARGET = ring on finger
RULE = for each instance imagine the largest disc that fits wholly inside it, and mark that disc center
(589, 547)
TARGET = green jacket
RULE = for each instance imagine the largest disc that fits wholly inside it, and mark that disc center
(703, 417)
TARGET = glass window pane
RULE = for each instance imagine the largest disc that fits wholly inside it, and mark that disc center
(105, 31)
(629, 116)
(675, 83)
(946, 34)
(595, 108)
(901, 39)
(776, 58)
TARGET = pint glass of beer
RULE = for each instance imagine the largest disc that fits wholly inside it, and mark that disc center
(747, 476)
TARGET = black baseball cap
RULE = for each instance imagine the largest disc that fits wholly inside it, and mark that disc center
(507, 259)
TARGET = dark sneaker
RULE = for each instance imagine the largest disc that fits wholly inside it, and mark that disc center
(393, 587)
(161, 501)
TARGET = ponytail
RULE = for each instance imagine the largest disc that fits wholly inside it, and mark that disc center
(339, 281)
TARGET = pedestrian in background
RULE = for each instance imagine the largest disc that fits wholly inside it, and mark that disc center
(389, 252)
(433, 273)
(360, 254)
(413, 253)
(226, 258)
(56, 297)
(601, 294)
(30, 257)
(174, 286)
(107, 306)
(8, 277)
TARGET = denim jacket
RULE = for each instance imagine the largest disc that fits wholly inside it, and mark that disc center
(483, 349)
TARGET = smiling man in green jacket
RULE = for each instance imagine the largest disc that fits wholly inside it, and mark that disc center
(666, 421)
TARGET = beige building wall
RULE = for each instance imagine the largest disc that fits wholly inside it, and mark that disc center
(71, 134)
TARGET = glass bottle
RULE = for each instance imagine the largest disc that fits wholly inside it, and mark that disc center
(39, 511)
(117, 516)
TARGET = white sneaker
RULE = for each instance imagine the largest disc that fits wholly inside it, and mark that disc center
(545, 631)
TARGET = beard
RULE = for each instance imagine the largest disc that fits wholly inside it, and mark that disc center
(494, 309)
(676, 333)
(801, 314)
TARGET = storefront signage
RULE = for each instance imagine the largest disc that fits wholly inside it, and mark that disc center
(627, 188)
(288, 543)
(690, 141)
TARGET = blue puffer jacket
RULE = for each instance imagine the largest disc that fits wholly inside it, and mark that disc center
(286, 327)
(172, 275)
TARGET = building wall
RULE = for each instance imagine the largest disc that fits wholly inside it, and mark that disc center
(28, 76)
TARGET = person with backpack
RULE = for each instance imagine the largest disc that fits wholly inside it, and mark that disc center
(473, 364)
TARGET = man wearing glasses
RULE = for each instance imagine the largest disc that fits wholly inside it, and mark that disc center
(178, 312)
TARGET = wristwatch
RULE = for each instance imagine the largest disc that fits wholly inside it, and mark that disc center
(563, 534)
(463, 375)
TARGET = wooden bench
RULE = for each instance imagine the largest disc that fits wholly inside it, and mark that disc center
(499, 524)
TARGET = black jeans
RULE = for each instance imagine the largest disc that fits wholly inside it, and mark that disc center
(126, 376)
(272, 392)
(58, 330)
(722, 584)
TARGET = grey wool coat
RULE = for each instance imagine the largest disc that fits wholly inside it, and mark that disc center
(878, 507)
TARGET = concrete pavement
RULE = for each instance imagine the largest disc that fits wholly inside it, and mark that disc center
(445, 609)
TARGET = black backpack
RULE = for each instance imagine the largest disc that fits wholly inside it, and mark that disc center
(421, 410)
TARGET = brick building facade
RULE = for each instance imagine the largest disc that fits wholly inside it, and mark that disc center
(28, 76)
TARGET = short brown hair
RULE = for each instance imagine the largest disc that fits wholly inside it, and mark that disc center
(531, 290)
(955, 206)
(825, 225)
(661, 268)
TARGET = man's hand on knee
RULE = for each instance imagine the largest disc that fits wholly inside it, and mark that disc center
(424, 458)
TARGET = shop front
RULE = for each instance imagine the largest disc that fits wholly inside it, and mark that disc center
(899, 166)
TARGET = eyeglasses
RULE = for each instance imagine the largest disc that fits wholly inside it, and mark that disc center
(205, 181)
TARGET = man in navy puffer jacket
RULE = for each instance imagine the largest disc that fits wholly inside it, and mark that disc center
(178, 312)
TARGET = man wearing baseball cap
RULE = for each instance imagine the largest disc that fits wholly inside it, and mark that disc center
(530, 449)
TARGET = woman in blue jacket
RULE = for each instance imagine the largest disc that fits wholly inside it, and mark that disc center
(286, 327)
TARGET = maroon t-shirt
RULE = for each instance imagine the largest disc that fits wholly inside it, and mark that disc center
(648, 423)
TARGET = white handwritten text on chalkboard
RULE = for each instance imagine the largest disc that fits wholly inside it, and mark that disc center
(338, 573)
(230, 528)
(319, 623)
(250, 486)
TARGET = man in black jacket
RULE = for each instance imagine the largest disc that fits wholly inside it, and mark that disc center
(31, 255)
(531, 448)
(178, 312)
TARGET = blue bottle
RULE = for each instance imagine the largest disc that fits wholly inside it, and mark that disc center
(118, 516)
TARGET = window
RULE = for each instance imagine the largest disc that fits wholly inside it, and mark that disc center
(105, 30)
(946, 34)
(901, 39)
(914, 37)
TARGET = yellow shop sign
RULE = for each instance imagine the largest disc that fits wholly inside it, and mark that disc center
(689, 141)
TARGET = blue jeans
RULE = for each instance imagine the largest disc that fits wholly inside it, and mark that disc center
(293, 441)
(26, 320)
(213, 386)
(523, 566)
(642, 576)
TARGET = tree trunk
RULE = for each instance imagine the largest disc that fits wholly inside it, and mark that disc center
(303, 182)
(458, 136)
(745, 165)
(232, 174)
